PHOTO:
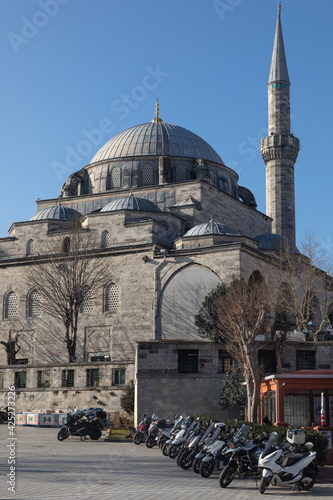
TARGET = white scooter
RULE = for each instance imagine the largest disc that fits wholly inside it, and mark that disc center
(281, 468)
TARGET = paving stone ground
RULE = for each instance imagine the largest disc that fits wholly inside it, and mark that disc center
(49, 469)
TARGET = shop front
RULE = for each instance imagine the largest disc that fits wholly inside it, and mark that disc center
(296, 399)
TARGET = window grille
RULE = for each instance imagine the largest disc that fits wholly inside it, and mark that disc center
(100, 358)
(93, 377)
(67, 378)
(43, 378)
(118, 376)
(188, 360)
(30, 247)
(2, 376)
(115, 178)
(267, 361)
(112, 298)
(296, 410)
(20, 380)
(11, 305)
(87, 304)
(180, 173)
(34, 305)
(67, 245)
(106, 239)
(305, 360)
(147, 175)
(21, 361)
(225, 362)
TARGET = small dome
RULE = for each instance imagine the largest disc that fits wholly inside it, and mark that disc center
(210, 228)
(59, 212)
(275, 242)
(157, 139)
(131, 203)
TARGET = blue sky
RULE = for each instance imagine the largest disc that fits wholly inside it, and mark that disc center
(77, 72)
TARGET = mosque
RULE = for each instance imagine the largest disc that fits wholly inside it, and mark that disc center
(172, 222)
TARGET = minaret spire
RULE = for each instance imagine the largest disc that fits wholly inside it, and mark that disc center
(279, 70)
(280, 148)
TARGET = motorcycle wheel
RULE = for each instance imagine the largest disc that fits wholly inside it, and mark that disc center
(95, 434)
(173, 450)
(308, 480)
(150, 441)
(207, 468)
(196, 465)
(63, 434)
(161, 442)
(165, 449)
(263, 484)
(138, 437)
(186, 460)
(227, 475)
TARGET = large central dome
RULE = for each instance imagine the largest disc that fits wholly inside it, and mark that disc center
(157, 139)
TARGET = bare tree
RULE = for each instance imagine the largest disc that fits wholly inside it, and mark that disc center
(67, 275)
(306, 279)
(12, 348)
(242, 313)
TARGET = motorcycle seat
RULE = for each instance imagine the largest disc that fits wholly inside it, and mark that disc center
(293, 459)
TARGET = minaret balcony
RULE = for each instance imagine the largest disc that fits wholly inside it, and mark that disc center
(277, 146)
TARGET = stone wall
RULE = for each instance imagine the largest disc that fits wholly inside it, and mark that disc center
(56, 397)
(160, 389)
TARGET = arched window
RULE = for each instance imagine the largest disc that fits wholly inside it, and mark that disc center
(11, 305)
(67, 244)
(113, 180)
(180, 173)
(111, 298)
(87, 304)
(34, 306)
(106, 239)
(30, 247)
(147, 175)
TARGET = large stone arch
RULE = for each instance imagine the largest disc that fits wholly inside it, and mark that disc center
(181, 298)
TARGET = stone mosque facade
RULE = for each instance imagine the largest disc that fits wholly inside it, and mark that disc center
(173, 221)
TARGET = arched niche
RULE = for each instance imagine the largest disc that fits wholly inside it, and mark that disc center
(181, 299)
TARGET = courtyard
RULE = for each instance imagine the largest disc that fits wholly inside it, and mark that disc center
(49, 469)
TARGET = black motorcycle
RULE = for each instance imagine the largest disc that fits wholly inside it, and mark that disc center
(243, 460)
(79, 423)
(142, 432)
(4, 415)
(154, 431)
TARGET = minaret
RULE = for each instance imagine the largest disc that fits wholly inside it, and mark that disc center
(280, 149)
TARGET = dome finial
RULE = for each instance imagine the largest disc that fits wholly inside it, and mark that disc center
(157, 113)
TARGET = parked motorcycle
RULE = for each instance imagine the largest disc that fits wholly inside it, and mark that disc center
(170, 434)
(244, 455)
(4, 415)
(218, 427)
(281, 467)
(216, 457)
(78, 423)
(142, 432)
(186, 458)
(167, 433)
(181, 437)
(154, 430)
